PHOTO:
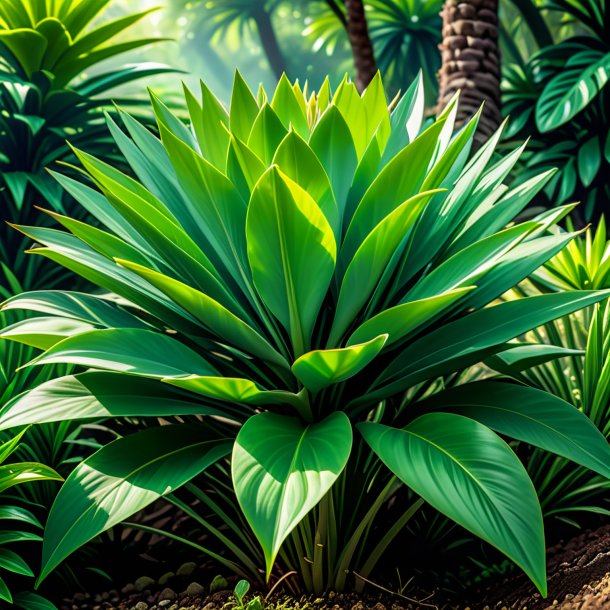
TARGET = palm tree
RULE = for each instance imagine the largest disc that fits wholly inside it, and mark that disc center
(471, 61)
(256, 15)
(362, 47)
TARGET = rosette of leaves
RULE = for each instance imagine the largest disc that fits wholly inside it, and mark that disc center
(17, 521)
(51, 89)
(300, 280)
(560, 99)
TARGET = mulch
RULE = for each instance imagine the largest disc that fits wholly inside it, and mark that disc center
(579, 579)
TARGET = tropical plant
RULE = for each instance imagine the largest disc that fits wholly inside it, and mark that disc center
(579, 374)
(405, 36)
(559, 99)
(46, 49)
(222, 16)
(12, 510)
(301, 281)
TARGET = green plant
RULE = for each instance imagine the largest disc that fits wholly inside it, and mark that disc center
(12, 510)
(240, 592)
(47, 94)
(286, 272)
(579, 374)
(559, 99)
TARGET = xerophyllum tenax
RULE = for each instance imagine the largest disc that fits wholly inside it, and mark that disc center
(303, 278)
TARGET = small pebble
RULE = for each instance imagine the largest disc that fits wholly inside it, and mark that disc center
(165, 578)
(186, 569)
(195, 589)
(144, 582)
(167, 594)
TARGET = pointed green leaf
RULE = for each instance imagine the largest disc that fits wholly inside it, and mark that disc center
(120, 479)
(129, 350)
(282, 468)
(532, 416)
(292, 252)
(468, 473)
(98, 395)
(321, 368)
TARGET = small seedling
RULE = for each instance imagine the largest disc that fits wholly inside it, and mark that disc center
(240, 592)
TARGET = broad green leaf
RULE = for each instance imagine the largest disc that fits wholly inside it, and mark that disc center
(467, 265)
(225, 325)
(98, 395)
(43, 332)
(9, 560)
(128, 350)
(18, 513)
(221, 209)
(350, 105)
(297, 161)
(371, 260)
(244, 109)
(122, 478)
(25, 472)
(402, 320)
(321, 368)
(333, 144)
(76, 305)
(244, 168)
(477, 336)
(527, 355)
(32, 601)
(406, 119)
(282, 468)
(400, 179)
(589, 158)
(290, 107)
(292, 252)
(235, 389)
(572, 89)
(376, 112)
(101, 241)
(468, 473)
(27, 46)
(5, 592)
(209, 121)
(266, 134)
(529, 415)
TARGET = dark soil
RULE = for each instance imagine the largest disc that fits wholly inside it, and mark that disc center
(579, 579)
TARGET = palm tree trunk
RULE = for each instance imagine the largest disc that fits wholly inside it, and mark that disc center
(471, 62)
(362, 47)
(270, 44)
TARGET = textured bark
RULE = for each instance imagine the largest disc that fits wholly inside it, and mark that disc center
(471, 62)
(362, 47)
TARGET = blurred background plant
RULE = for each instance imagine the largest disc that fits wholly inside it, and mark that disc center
(19, 525)
(582, 378)
(53, 87)
(556, 94)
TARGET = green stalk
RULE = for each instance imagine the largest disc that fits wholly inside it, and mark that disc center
(383, 544)
(230, 565)
(320, 542)
(346, 556)
(243, 557)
